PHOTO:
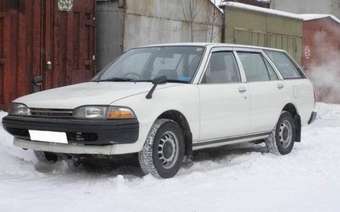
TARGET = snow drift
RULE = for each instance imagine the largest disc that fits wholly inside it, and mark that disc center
(228, 179)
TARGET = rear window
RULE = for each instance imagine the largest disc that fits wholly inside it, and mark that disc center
(285, 65)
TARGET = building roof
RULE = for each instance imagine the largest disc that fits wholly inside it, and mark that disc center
(304, 17)
(262, 10)
(217, 4)
(311, 17)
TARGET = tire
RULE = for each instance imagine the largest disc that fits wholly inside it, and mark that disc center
(46, 157)
(282, 139)
(163, 151)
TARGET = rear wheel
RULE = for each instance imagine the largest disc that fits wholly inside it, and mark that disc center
(282, 139)
(163, 151)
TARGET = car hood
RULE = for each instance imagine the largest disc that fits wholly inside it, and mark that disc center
(90, 93)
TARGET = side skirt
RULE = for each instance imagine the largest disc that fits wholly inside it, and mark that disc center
(229, 141)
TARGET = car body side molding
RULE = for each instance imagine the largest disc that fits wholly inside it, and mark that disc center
(230, 140)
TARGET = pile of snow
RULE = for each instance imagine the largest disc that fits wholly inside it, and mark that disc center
(246, 179)
(12, 159)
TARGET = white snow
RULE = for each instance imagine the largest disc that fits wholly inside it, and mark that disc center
(262, 10)
(217, 3)
(247, 179)
(310, 17)
(304, 17)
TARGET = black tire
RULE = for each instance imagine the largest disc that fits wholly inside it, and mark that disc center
(46, 157)
(163, 151)
(282, 139)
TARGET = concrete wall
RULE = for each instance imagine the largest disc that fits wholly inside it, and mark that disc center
(124, 24)
(308, 6)
(109, 27)
(261, 29)
(164, 21)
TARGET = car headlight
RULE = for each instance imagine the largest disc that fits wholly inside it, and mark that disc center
(103, 112)
(19, 109)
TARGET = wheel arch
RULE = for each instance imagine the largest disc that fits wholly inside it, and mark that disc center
(291, 108)
(179, 118)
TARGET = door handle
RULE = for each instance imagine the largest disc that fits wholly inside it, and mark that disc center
(49, 65)
(280, 86)
(37, 80)
(242, 89)
(37, 83)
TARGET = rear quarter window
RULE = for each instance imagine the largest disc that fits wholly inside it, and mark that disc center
(285, 65)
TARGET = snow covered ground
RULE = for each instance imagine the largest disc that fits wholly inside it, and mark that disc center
(247, 179)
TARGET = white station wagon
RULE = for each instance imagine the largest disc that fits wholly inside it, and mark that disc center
(166, 101)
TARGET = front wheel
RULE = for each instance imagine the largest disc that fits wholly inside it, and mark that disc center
(163, 151)
(281, 141)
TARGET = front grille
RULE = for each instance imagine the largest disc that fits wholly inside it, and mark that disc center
(82, 137)
(51, 113)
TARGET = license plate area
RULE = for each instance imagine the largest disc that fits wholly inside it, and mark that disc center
(48, 136)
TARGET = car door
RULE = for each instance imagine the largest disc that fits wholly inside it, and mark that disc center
(266, 90)
(224, 99)
(299, 89)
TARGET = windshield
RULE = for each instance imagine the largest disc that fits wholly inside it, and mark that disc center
(176, 63)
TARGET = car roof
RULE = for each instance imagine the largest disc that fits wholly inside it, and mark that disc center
(212, 45)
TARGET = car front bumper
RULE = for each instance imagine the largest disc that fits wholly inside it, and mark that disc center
(78, 131)
(65, 148)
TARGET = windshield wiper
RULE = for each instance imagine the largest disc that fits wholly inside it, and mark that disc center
(121, 79)
(176, 81)
(117, 79)
(157, 81)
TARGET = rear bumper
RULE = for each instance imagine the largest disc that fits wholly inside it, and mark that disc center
(312, 117)
(85, 132)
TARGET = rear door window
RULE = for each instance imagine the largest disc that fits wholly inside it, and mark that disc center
(254, 66)
(285, 65)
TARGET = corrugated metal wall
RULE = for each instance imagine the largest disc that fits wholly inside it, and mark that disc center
(39, 41)
(2, 51)
(321, 40)
(110, 17)
(261, 29)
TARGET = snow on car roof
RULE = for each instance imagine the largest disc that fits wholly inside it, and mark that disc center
(310, 17)
(262, 10)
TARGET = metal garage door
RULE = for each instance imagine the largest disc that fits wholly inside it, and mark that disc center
(45, 44)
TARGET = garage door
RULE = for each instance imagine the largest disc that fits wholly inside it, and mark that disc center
(45, 44)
